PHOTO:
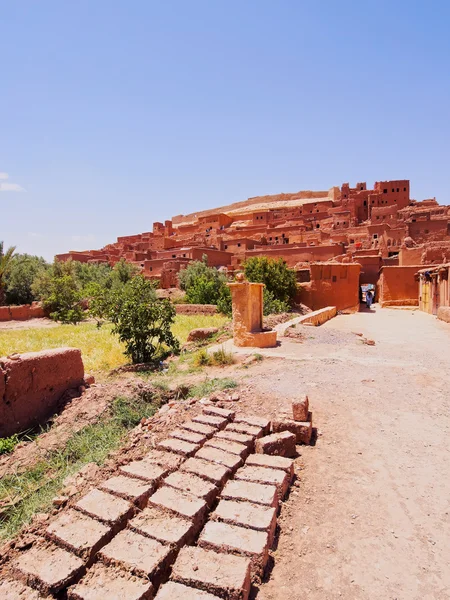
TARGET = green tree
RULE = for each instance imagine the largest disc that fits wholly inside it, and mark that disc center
(23, 270)
(5, 263)
(279, 280)
(202, 284)
(142, 321)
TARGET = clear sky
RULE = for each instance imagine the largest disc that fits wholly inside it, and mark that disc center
(118, 113)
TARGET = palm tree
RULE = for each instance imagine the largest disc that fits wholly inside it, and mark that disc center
(5, 260)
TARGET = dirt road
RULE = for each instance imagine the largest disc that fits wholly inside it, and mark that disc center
(370, 518)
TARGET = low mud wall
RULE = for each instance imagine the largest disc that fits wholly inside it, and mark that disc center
(443, 313)
(319, 316)
(32, 384)
(196, 309)
(21, 312)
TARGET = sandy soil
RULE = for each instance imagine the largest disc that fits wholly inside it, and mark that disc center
(29, 324)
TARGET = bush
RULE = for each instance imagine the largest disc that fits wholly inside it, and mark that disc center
(224, 304)
(272, 306)
(202, 284)
(60, 292)
(279, 280)
(22, 271)
(142, 322)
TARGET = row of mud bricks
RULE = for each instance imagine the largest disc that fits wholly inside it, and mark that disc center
(193, 520)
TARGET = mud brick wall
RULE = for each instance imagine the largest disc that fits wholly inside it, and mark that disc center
(21, 312)
(398, 286)
(196, 309)
(31, 386)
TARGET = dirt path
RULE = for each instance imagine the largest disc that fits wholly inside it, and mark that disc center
(370, 518)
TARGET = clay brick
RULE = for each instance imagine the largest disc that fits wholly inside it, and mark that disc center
(301, 430)
(225, 575)
(144, 470)
(49, 569)
(244, 428)
(15, 590)
(215, 411)
(231, 461)
(78, 533)
(240, 438)
(267, 476)
(178, 446)
(169, 461)
(218, 422)
(187, 482)
(246, 514)
(138, 554)
(177, 591)
(251, 492)
(255, 421)
(188, 436)
(129, 488)
(300, 409)
(205, 430)
(164, 527)
(105, 507)
(228, 446)
(182, 504)
(278, 444)
(214, 472)
(223, 537)
(272, 462)
(110, 583)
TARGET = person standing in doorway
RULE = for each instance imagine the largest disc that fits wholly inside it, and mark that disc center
(369, 298)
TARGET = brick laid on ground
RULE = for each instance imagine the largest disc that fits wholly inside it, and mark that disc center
(232, 461)
(228, 446)
(110, 583)
(225, 575)
(188, 436)
(169, 461)
(300, 409)
(272, 462)
(166, 528)
(246, 429)
(49, 568)
(247, 514)
(240, 438)
(263, 475)
(258, 493)
(16, 590)
(255, 421)
(129, 488)
(205, 430)
(178, 447)
(223, 537)
(181, 503)
(138, 554)
(214, 472)
(215, 411)
(301, 430)
(145, 470)
(105, 507)
(177, 591)
(218, 422)
(79, 533)
(278, 444)
(187, 482)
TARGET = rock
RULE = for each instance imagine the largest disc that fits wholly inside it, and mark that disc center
(60, 501)
(369, 342)
(300, 409)
(89, 380)
(202, 333)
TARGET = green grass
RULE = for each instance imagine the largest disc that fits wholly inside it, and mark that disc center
(7, 445)
(25, 494)
(211, 385)
(101, 350)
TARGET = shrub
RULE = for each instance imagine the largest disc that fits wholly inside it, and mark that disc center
(271, 305)
(5, 263)
(22, 271)
(224, 304)
(202, 284)
(60, 292)
(279, 280)
(221, 358)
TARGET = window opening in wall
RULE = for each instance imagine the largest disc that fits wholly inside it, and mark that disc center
(226, 247)
(365, 202)
(184, 255)
(404, 189)
(174, 255)
(334, 278)
(385, 191)
(375, 236)
(398, 189)
(239, 244)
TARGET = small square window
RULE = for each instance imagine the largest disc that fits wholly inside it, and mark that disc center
(398, 189)
(404, 189)
(239, 244)
(385, 191)
(334, 278)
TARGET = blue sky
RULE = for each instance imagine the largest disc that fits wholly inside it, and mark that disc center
(116, 114)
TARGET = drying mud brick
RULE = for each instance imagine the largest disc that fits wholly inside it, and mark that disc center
(15, 590)
(262, 475)
(214, 472)
(138, 554)
(205, 430)
(223, 537)
(166, 528)
(187, 482)
(129, 488)
(145, 470)
(224, 575)
(177, 591)
(301, 430)
(300, 409)
(105, 507)
(178, 447)
(169, 461)
(110, 583)
(189, 436)
(278, 444)
(218, 422)
(231, 461)
(49, 569)
(255, 421)
(246, 514)
(181, 503)
(272, 462)
(246, 429)
(251, 492)
(215, 411)
(228, 446)
(79, 533)
(240, 438)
